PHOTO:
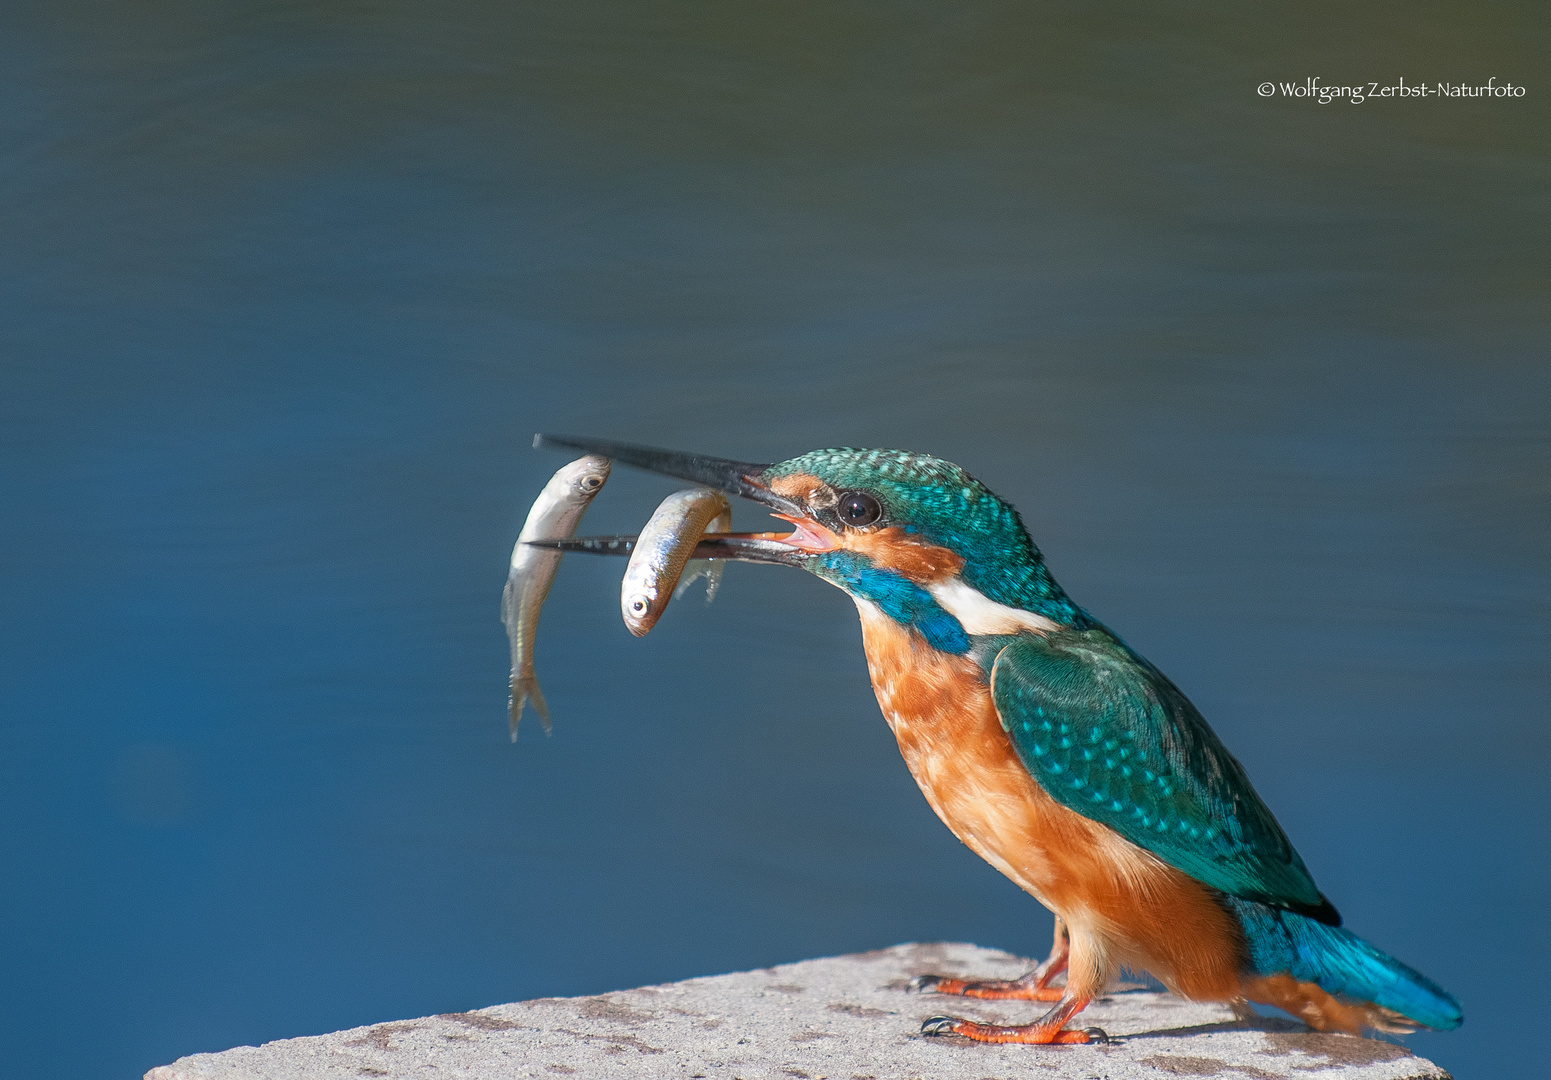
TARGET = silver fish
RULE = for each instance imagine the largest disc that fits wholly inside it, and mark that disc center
(555, 514)
(663, 549)
(710, 569)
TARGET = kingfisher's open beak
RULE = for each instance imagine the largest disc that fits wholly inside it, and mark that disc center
(741, 478)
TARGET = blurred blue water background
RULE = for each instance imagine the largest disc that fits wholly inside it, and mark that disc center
(288, 287)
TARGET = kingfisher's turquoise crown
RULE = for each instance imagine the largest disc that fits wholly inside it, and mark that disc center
(950, 508)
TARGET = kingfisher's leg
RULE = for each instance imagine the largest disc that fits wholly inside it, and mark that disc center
(1048, 1029)
(1035, 986)
(1060, 945)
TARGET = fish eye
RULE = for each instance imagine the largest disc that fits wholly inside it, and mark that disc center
(858, 509)
(591, 482)
(639, 604)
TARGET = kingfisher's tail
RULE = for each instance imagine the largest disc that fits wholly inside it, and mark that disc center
(1368, 985)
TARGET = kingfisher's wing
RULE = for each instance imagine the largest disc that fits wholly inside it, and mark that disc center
(1107, 735)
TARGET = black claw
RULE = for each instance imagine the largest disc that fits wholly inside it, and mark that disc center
(922, 984)
(938, 1025)
(1097, 1036)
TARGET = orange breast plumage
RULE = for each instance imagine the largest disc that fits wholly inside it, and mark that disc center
(1120, 903)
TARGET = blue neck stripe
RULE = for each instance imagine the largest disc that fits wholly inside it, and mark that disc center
(897, 597)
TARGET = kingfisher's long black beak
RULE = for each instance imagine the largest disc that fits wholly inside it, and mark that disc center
(734, 477)
(742, 547)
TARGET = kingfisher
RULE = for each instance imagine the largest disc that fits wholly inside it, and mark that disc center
(1057, 753)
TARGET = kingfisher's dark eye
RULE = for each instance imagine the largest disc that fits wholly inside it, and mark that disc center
(857, 508)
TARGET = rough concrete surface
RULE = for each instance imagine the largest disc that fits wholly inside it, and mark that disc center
(842, 1018)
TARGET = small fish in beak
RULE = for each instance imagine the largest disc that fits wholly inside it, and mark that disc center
(662, 551)
(554, 516)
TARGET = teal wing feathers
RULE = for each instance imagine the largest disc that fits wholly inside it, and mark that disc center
(1107, 735)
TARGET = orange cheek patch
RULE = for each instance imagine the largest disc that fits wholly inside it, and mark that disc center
(894, 549)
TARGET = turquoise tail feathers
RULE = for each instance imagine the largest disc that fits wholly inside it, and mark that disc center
(1341, 964)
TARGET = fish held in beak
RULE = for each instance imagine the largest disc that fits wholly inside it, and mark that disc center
(553, 517)
(662, 550)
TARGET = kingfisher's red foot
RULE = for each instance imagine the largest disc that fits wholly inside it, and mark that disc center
(1035, 986)
(1028, 988)
(1048, 1030)
(1037, 1034)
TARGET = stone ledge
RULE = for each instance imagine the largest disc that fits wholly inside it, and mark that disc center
(840, 1018)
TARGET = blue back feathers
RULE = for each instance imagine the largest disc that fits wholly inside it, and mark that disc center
(1106, 735)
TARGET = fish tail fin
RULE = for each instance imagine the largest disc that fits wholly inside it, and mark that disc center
(714, 567)
(525, 688)
(1370, 988)
(710, 569)
(713, 578)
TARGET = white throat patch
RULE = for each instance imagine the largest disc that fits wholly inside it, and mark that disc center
(979, 615)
